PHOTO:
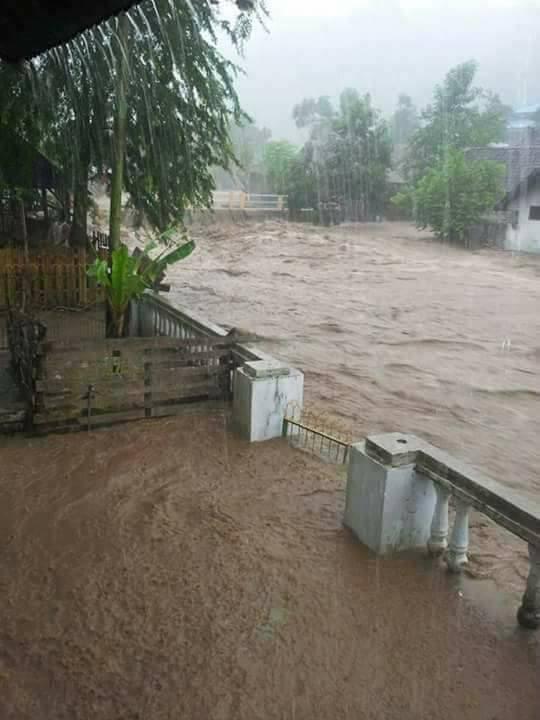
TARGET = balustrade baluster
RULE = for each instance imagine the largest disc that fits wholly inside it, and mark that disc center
(439, 525)
(529, 612)
(459, 540)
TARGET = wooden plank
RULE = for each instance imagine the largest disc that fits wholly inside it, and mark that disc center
(191, 408)
(153, 344)
(187, 374)
(113, 417)
(199, 359)
(196, 390)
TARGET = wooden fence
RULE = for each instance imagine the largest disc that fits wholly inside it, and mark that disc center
(53, 278)
(103, 382)
(25, 335)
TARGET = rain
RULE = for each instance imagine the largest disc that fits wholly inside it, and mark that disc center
(269, 360)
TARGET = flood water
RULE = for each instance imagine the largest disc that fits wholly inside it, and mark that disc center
(167, 569)
(394, 331)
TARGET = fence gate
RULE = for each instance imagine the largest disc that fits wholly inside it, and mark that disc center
(102, 382)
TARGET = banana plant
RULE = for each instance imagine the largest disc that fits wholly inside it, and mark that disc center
(125, 277)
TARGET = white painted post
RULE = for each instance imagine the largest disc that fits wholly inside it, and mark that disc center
(529, 613)
(459, 541)
(388, 505)
(262, 391)
(439, 525)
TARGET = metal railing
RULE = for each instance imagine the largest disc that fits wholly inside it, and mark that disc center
(239, 200)
(317, 433)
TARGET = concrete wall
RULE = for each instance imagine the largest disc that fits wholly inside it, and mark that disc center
(526, 237)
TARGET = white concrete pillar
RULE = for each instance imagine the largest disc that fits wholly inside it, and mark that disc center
(439, 525)
(388, 505)
(262, 390)
(459, 541)
(529, 612)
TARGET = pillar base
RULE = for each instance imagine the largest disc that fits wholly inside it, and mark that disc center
(262, 391)
(388, 508)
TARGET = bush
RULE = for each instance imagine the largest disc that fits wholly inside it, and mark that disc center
(454, 195)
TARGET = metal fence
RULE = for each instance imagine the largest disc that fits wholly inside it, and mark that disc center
(239, 200)
(317, 433)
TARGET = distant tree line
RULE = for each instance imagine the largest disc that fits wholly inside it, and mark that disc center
(350, 149)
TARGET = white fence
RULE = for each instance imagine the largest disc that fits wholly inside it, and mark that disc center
(239, 200)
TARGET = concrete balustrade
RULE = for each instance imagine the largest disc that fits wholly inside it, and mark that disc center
(398, 495)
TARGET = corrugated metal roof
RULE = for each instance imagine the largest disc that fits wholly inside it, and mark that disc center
(520, 161)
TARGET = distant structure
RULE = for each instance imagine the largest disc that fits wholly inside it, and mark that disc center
(515, 221)
(523, 127)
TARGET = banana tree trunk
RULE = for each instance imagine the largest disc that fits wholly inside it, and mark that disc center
(119, 135)
(79, 228)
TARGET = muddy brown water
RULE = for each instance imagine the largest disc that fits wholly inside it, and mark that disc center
(395, 331)
(167, 569)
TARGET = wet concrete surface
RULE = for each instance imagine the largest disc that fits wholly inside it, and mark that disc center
(167, 569)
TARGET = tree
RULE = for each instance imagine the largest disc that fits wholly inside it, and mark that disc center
(353, 156)
(460, 116)
(312, 112)
(453, 196)
(404, 121)
(149, 96)
(302, 186)
(278, 159)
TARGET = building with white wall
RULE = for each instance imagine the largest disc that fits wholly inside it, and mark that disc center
(523, 204)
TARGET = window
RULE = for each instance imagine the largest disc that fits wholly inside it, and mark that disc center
(534, 212)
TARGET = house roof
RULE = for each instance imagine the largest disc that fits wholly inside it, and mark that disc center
(522, 188)
(519, 161)
(29, 27)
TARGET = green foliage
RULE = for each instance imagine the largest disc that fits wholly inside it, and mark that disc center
(346, 157)
(127, 276)
(460, 116)
(278, 158)
(453, 195)
(310, 111)
(302, 187)
(404, 121)
(179, 94)
(404, 200)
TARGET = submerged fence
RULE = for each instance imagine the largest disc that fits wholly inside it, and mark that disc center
(239, 200)
(317, 433)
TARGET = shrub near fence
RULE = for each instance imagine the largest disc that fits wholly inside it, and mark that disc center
(54, 278)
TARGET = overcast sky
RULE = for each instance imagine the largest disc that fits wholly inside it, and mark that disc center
(318, 47)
